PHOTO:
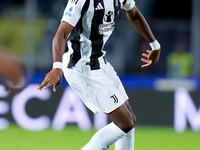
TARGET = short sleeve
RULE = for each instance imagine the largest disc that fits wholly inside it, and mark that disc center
(127, 4)
(72, 12)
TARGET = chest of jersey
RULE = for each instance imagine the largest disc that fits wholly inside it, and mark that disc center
(100, 16)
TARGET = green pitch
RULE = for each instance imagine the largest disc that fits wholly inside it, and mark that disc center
(71, 138)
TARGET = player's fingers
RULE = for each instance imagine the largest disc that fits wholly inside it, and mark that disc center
(145, 55)
(145, 60)
(40, 88)
(54, 87)
(48, 85)
(42, 85)
(148, 64)
(148, 51)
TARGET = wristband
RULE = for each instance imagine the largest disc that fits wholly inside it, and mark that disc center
(57, 65)
(154, 45)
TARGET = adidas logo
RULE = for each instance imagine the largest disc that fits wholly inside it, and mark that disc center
(99, 6)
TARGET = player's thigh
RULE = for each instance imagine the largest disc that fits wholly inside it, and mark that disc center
(130, 109)
(123, 118)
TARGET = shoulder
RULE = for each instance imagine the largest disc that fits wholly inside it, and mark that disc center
(127, 4)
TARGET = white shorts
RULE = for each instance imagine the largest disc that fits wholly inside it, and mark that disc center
(100, 90)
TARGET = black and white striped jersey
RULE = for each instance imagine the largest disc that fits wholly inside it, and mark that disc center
(94, 22)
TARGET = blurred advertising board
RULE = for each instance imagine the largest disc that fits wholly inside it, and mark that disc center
(37, 110)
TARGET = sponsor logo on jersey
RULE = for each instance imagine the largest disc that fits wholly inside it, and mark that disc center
(99, 6)
(69, 12)
(109, 19)
(106, 27)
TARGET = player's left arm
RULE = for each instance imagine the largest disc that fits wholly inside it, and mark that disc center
(141, 25)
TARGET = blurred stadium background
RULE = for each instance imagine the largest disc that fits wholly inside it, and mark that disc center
(164, 97)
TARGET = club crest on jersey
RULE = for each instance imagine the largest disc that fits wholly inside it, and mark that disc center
(110, 24)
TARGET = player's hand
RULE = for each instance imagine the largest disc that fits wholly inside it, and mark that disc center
(54, 78)
(151, 57)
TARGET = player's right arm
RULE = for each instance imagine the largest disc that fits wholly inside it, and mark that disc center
(69, 20)
(54, 77)
(59, 41)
